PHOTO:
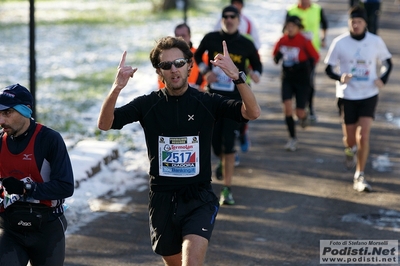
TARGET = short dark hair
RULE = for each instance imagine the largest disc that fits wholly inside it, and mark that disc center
(358, 12)
(183, 25)
(167, 43)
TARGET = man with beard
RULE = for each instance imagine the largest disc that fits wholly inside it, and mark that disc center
(35, 179)
(357, 87)
(178, 121)
(195, 78)
(240, 50)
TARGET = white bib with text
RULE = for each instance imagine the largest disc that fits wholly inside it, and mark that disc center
(224, 83)
(178, 156)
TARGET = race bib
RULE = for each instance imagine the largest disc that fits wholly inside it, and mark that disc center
(290, 55)
(179, 156)
(224, 83)
(360, 71)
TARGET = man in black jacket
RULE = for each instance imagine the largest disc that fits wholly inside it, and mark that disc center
(240, 50)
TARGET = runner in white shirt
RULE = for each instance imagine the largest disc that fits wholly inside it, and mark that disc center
(355, 56)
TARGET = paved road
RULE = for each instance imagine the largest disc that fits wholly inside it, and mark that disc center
(286, 202)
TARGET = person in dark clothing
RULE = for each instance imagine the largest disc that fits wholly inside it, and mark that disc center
(354, 3)
(299, 57)
(372, 9)
(178, 121)
(241, 49)
(247, 28)
(315, 24)
(36, 177)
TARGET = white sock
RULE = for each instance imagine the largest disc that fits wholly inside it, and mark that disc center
(357, 174)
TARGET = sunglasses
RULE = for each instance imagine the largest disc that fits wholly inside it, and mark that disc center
(229, 16)
(178, 63)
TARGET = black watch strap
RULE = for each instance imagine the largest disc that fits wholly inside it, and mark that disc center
(242, 78)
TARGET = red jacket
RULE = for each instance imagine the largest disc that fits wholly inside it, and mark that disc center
(298, 57)
(286, 45)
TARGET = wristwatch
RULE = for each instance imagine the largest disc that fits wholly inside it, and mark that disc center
(28, 186)
(242, 78)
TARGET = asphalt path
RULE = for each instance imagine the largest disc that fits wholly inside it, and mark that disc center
(286, 201)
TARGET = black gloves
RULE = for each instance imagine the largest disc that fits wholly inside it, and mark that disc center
(13, 185)
(278, 57)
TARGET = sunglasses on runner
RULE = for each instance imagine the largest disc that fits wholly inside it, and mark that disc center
(229, 16)
(178, 63)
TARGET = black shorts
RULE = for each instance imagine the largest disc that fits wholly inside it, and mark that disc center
(172, 218)
(224, 135)
(300, 90)
(352, 110)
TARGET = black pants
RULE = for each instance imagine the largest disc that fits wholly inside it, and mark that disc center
(372, 10)
(45, 247)
(223, 140)
(311, 92)
(353, 3)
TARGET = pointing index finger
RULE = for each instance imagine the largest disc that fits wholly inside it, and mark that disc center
(122, 62)
(225, 48)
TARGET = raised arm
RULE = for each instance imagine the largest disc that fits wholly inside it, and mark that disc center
(250, 108)
(106, 115)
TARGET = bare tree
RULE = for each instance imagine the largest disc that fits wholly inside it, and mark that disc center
(169, 4)
(164, 5)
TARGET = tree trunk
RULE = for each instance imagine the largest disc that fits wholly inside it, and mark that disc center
(169, 4)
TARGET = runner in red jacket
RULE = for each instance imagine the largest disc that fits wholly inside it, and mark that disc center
(298, 57)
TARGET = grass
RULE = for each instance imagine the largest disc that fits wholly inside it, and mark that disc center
(77, 96)
(74, 97)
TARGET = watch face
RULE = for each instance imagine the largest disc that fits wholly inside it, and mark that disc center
(243, 76)
(28, 186)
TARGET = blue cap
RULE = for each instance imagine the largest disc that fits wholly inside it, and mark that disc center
(14, 95)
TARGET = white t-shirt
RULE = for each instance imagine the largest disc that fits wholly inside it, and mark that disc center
(360, 59)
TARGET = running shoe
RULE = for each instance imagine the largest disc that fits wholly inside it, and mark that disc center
(312, 118)
(351, 158)
(291, 145)
(360, 184)
(218, 171)
(237, 159)
(226, 197)
(305, 122)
